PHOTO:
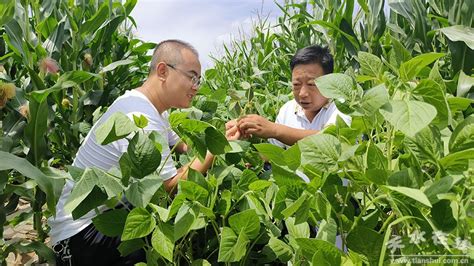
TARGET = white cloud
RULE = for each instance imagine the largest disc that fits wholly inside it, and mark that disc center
(206, 24)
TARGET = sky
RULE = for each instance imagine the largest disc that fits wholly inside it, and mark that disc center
(206, 24)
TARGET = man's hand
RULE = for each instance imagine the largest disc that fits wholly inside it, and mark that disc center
(232, 131)
(257, 126)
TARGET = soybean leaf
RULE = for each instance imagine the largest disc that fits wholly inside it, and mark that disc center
(139, 223)
(297, 231)
(282, 250)
(440, 186)
(111, 223)
(341, 89)
(232, 248)
(216, 141)
(373, 99)
(117, 126)
(415, 194)
(247, 222)
(185, 218)
(411, 68)
(370, 64)
(321, 151)
(408, 116)
(193, 191)
(129, 246)
(162, 240)
(328, 251)
(144, 155)
(442, 215)
(432, 93)
(141, 191)
(365, 241)
(327, 230)
(271, 152)
(463, 135)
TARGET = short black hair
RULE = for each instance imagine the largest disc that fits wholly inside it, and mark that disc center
(169, 51)
(314, 54)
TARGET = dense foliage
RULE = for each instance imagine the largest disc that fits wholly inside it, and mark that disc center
(404, 73)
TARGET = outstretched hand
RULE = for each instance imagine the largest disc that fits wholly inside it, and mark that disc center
(255, 125)
(232, 131)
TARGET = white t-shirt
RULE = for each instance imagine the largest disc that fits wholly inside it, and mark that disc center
(105, 157)
(291, 114)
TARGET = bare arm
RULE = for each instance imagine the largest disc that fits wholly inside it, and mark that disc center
(261, 127)
(197, 165)
(232, 133)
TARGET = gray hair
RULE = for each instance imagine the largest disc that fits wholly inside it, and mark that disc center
(169, 51)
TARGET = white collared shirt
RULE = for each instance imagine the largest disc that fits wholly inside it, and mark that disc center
(291, 114)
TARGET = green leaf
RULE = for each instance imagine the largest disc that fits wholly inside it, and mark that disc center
(373, 99)
(89, 179)
(410, 69)
(370, 64)
(327, 230)
(415, 194)
(247, 222)
(457, 161)
(66, 80)
(7, 9)
(216, 141)
(144, 155)
(463, 135)
(116, 64)
(283, 251)
(140, 122)
(111, 223)
(432, 93)
(116, 127)
(127, 247)
(321, 151)
(341, 89)
(442, 215)
(141, 191)
(9, 161)
(185, 218)
(96, 21)
(248, 176)
(231, 247)
(292, 157)
(328, 251)
(259, 185)
(36, 131)
(93, 200)
(365, 241)
(193, 191)
(440, 186)
(408, 116)
(465, 83)
(460, 33)
(163, 241)
(271, 152)
(290, 210)
(297, 231)
(139, 223)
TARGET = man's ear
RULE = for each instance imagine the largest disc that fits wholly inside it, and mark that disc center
(161, 71)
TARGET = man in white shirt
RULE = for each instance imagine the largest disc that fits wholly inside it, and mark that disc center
(307, 114)
(173, 81)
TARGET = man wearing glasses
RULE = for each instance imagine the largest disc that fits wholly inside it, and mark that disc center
(173, 81)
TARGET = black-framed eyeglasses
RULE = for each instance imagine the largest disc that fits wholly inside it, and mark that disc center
(196, 81)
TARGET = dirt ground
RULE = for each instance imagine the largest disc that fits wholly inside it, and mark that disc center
(21, 232)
